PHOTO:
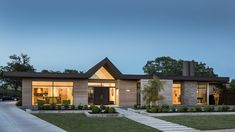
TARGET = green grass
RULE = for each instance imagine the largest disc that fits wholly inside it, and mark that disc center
(210, 122)
(81, 123)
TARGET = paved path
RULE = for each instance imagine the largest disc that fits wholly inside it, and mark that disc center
(13, 119)
(154, 122)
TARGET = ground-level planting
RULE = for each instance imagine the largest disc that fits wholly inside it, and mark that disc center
(209, 122)
(79, 122)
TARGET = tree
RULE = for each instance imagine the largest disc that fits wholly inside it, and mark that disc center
(152, 91)
(19, 63)
(232, 84)
(71, 71)
(168, 66)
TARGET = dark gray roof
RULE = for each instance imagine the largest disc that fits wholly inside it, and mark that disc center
(108, 65)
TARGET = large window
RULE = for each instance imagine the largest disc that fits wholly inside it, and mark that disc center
(202, 93)
(52, 92)
(176, 94)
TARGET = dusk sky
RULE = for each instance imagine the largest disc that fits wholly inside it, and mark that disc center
(78, 34)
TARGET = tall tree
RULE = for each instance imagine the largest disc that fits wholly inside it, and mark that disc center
(17, 63)
(171, 67)
(232, 84)
(152, 91)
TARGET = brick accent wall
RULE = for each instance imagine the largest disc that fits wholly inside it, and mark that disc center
(27, 92)
(127, 92)
(189, 93)
(80, 92)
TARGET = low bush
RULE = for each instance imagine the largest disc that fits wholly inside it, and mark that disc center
(209, 108)
(53, 106)
(233, 108)
(173, 109)
(198, 108)
(40, 104)
(155, 109)
(102, 107)
(111, 110)
(66, 104)
(191, 109)
(223, 108)
(72, 107)
(165, 108)
(95, 110)
(182, 109)
(46, 107)
(19, 103)
(106, 110)
(80, 107)
(85, 107)
(58, 107)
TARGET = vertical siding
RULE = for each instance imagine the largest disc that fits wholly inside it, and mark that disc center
(127, 98)
(27, 92)
(80, 92)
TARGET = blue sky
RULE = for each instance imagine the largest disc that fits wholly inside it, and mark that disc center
(77, 34)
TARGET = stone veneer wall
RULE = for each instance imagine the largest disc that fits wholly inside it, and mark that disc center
(167, 92)
(27, 92)
(127, 92)
(80, 92)
(189, 93)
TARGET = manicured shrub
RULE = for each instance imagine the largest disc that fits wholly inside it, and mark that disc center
(165, 108)
(111, 110)
(143, 107)
(155, 109)
(102, 107)
(209, 108)
(182, 109)
(46, 107)
(223, 108)
(198, 108)
(40, 104)
(173, 109)
(95, 110)
(80, 107)
(91, 107)
(85, 107)
(53, 106)
(66, 104)
(191, 109)
(58, 107)
(233, 108)
(106, 110)
(19, 103)
(72, 107)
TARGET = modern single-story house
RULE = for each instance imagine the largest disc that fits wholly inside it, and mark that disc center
(105, 84)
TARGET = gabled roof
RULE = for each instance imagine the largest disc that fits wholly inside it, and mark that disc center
(108, 65)
(113, 70)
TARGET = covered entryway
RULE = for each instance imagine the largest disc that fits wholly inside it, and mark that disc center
(101, 96)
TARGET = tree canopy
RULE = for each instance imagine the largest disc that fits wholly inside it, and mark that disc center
(17, 63)
(65, 71)
(171, 67)
(232, 84)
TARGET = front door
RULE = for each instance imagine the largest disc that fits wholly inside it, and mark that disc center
(101, 96)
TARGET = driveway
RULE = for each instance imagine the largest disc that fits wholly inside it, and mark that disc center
(13, 119)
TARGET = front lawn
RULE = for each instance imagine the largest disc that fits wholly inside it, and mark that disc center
(81, 123)
(209, 122)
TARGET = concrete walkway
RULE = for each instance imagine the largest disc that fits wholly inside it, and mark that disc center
(13, 119)
(154, 122)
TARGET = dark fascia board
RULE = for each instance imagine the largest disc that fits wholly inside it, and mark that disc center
(20, 75)
(108, 65)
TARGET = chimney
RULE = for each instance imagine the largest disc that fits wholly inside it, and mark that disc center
(188, 68)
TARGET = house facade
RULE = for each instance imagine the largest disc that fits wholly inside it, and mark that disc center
(105, 84)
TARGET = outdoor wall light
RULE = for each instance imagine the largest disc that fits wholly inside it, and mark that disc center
(128, 90)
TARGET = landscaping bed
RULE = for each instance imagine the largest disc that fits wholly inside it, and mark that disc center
(205, 122)
(79, 122)
(184, 109)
